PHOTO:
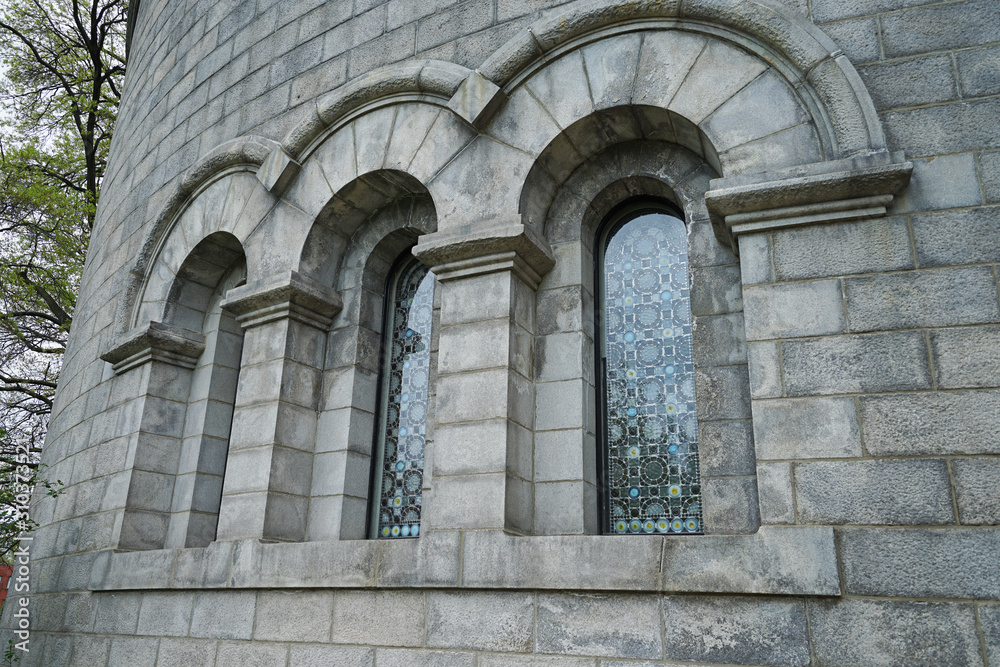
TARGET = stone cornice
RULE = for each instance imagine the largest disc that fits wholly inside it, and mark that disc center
(288, 295)
(155, 341)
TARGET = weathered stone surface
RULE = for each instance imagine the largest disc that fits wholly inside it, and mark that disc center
(921, 562)
(774, 488)
(957, 237)
(989, 618)
(731, 505)
(977, 71)
(847, 364)
(379, 618)
(946, 128)
(944, 297)
(485, 621)
(755, 259)
(726, 447)
(205, 75)
(885, 632)
(320, 655)
(720, 340)
(223, 614)
(910, 82)
(777, 559)
(857, 37)
(977, 490)
(989, 173)
(967, 356)
(806, 428)
(604, 625)
(127, 651)
(117, 613)
(800, 309)
(764, 364)
(735, 630)
(490, 558)
(540, 661)
(302, 616)
(874, 492)
(947, 181)
(408, 658)
(931, 423)
(186, 653)
(933, 28)
(167, 614)
(243, 654)
(716, 290)
(842, 249)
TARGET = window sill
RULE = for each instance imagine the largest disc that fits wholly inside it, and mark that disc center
(777, 560)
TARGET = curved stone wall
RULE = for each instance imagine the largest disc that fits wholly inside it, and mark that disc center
(272, 161)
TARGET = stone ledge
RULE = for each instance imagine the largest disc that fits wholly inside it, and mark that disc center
(792, 560)
(155, 341)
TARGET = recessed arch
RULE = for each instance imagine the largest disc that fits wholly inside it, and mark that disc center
(799, 51)
(198, 278)
(566, 306)
(344, 216)
(374, 221)
(217, 206)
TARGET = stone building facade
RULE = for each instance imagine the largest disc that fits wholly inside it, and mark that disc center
(227, 392)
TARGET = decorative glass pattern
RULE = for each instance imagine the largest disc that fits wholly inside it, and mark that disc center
(406, 367)
(649, 421)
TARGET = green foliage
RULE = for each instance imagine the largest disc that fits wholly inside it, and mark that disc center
(63, 65)
(10, 654)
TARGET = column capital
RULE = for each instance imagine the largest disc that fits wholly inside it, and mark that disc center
(287, 295)
(488, 246)
(837, 191)
(155, 341)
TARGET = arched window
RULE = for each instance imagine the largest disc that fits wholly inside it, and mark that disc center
(401, 433)
(648, 426)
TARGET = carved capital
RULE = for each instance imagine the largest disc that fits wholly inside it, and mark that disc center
(289, 295)
(497, 245)
(155, 341)
(835, 191)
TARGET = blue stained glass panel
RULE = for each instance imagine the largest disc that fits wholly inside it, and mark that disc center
(405, 375)
(650, 421)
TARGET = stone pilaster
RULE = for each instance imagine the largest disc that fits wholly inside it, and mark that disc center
(751, 211)
(269, 468)
(485, 397)
(158, 358)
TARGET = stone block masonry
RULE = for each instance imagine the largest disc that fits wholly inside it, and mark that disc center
(221, 411)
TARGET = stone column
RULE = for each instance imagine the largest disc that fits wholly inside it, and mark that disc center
(158, 358)
(269, 468)
(482, 458)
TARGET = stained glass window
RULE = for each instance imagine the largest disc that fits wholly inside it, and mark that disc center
(649, 424)
(399, 462)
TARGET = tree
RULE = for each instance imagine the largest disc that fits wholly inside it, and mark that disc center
(62, 63)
